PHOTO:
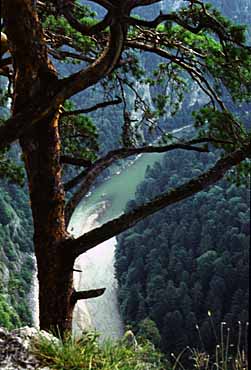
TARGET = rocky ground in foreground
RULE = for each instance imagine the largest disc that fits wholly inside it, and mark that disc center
(28, 348)
(15, 349)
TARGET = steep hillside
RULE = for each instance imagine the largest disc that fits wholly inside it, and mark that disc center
(16, 250)
(187, 266)
(190, 259)
(16, 261)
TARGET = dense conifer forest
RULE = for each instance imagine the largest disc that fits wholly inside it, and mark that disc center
(184, 270)
(16, 260)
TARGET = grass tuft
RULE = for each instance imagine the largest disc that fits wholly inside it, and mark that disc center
(227, 356)
(86, 353)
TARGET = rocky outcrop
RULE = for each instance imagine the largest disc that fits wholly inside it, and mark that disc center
(15, 351)
(95, 269)
(102, 313)
(16, 262)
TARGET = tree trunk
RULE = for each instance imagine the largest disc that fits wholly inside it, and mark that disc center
(35, 85)
(41, 149)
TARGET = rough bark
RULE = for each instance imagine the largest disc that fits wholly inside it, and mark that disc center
(89, 175)
(38, 94)
(55, 269)
(124, 222)
(86, 294)
(35, 79)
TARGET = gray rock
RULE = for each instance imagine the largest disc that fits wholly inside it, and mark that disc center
(15, 349)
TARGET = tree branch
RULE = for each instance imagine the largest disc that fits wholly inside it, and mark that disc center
(65, 159)
(101, 164)
(205, 21)
(124, 222)
(194, 72)
(65, 8)
(15, 126)
(91, 173)
(93, 108)
(64, 89)
(86, 294)
(100, 68)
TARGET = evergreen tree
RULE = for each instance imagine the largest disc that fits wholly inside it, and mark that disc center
(197, 45)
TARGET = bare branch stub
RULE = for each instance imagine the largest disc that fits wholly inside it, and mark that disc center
(38, 94)
(124, 222)
(66, 8)
(75, 161)
(93, 108)
(89, 175)
(86, 294)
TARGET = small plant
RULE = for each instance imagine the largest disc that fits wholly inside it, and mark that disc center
(227, 356)
(86, 353)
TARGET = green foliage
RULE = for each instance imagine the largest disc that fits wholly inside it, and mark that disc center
(10, 170)
(176, 265)
(79, 135)
(220, 125)
(16, 265)
(86, 353)
(59, 25)
(8, 316)
(226, 355)
(6, 213)
(149, 331)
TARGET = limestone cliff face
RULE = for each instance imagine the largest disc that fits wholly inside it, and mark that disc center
(97, 266)
(98, 271)
(16, 258)
(239, 10)
(15, 353)
(16, 264)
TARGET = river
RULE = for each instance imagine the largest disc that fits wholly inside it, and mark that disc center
(107, 201)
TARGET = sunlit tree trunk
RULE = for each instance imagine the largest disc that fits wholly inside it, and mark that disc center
(41, 149)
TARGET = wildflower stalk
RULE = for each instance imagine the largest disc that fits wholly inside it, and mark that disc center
(246, 336)
(222, 344)
(217, 356)
(200, 337)
(227, 346)
(212, 324)
(239, 338)
(177, 359)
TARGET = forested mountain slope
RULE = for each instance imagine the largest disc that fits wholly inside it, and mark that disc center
(188, 259)
(16, 260)
(16, 247)
(15, 219)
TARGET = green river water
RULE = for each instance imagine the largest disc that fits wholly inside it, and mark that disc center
(116, 191)
(95, 268)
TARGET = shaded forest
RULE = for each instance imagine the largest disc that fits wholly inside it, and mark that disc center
(185, 266)
(184, 270)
